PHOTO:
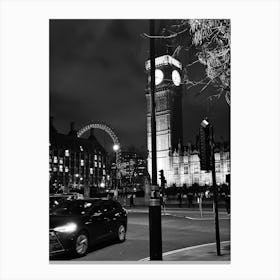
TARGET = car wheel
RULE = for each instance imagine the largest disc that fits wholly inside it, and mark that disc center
(121, 233)
(81, 244)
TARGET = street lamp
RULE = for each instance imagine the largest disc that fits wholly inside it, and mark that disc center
(116, 147)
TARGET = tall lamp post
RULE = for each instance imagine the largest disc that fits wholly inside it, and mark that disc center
(116, 148)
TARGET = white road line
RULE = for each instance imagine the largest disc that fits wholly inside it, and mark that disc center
(205, 219)
(186, 217)
(187, 249)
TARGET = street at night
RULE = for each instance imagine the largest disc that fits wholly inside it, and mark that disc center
(177, 232)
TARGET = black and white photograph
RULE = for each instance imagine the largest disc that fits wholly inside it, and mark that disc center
(139, 141)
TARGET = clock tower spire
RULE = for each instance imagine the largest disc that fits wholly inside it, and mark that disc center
(168, 99)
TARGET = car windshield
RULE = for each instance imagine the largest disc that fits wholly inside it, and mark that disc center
(77, 207)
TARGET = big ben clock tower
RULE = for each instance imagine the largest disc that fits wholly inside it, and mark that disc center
(168, 99)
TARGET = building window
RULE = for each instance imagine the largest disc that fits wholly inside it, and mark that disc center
(66, 169)
(95, 157)
(54, 159)
(82, 162)
(186, 169)
(95, 164)
(218, 167)
(60, 168)
(99, 164)
(67, 153)
(91, 170)
(176, 170)
(60, 161)
(54, 169)
(196, 169)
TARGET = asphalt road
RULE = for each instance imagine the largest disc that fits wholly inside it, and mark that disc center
(177, 232)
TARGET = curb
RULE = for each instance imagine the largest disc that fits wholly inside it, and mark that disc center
(187, 249)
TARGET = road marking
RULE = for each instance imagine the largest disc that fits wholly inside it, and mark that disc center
(205, 219)
(187, 249)
(185, 217)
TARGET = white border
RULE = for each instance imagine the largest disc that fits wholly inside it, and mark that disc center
(24, 134)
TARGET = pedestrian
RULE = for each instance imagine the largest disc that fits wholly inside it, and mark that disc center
(163, 202)
(180, 199)
(199, 201)
(227, 201)
(131, 200)
(190, 199)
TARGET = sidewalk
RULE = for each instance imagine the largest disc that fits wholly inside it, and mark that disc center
(199, 253)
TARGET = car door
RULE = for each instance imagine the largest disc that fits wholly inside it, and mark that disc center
(96, 224)
(108, 209)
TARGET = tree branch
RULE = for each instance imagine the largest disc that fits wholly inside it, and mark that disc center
(188, 65)
(165, 37)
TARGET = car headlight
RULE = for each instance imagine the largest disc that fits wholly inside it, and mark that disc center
(71, 227)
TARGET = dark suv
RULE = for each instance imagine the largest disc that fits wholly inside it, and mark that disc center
(77, 224)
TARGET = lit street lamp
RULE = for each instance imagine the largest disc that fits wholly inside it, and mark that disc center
(116, 148)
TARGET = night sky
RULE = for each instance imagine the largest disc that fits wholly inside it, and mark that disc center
(97, 74)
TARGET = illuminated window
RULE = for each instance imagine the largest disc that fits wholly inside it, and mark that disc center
(60, 161)
(104, 172)
(95, 157)
(54, 169)
(82, 162)
(81, 149)
(54, 159)
(95, 164)
(91, 170)
(67, 153)
(66, 169)
(60, 168)
(99, 164)
(218, 167)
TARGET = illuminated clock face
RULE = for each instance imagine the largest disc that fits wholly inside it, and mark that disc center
(158, 76)
(176, 78)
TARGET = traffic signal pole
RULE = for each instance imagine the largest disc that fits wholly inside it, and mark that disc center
(154, 207)
(215, 193)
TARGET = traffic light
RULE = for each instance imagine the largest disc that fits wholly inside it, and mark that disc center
(162, 178)
(204, 145)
